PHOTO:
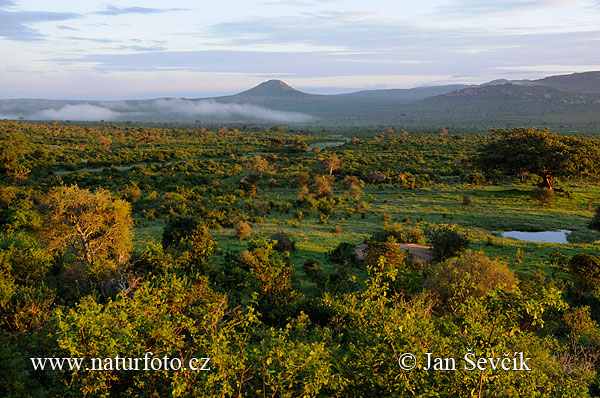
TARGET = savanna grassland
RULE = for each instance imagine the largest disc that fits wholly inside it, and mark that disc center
(239, 245)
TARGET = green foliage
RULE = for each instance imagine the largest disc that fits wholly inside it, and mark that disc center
(195, 250)
(93, 227)
(447, 241)
(585, 269)
(344, 254)
(595, 223)
(178, 228)
(389, 250)
(167, 316)
(23, 258)
(283, 242)
(540, 152)
(544, 196)
(472, 274)
(334, 328)
(401, 232)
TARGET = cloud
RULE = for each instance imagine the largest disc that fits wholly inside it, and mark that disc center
(142, 48)
(166, 109)
(95, 40)
(114, 10)
(14, 25)
(298, 3)
(211, 108)
(7, 3)
(470, 7)
(78, 112)
(64, 27)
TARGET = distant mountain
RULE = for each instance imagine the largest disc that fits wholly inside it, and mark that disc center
(410, 94)
(272, 88)
(570, 102)
(512, 93)
(586, 82)
(514, 104)
(499, 82)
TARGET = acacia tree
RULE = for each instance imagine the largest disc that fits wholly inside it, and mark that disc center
(331, 164)
(93, 227)
(12, 155)
(259, 164)
(548, 155)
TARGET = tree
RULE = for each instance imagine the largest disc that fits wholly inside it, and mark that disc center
(447, 242)
(331, 164)
(259, 164)
(93, 227)
(13, 148)
(585, 269)
(470, 274)
(355, 185)
(242, 229)
(390, 250)
(321, 186)
(178, 228)
(548, 155)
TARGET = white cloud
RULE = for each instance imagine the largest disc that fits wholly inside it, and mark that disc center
(168, 109)
(78, 112)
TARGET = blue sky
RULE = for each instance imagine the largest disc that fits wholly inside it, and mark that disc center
(142, 49)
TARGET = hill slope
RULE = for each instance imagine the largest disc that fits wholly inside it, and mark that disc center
(571, 102)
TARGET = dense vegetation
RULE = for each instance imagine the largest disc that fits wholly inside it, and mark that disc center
(241, 246)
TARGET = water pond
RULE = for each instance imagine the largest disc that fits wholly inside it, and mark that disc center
(559, 236)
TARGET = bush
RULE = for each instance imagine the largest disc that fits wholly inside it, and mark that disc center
(402, 233)
(475, 178)
(595, 223)
(243, 229)
(344, 254)
(543, 196)
(313, 271)
(471, 274)
(284, 242)
(390, 250)
(447, 242)
(177, 228)
(467, 200)
(585, 269)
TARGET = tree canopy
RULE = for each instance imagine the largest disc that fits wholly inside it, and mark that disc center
(93, 227)
(522, 151)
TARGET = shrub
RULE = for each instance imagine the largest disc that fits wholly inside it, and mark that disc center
(177, 228)
(344, 254)
(132, 193)
(402, 233)
(242, 229)
(544, 196)
(467, 200)
(284, 242)
(595, 223)
(447, 242)
(313, 271)
(390, 250)
(195, 250)
(470, 274)
(475, 178)
(585, 269)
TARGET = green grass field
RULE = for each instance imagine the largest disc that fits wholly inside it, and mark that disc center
(493, 209)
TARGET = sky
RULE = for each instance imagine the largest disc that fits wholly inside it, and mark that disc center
(73, 49)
